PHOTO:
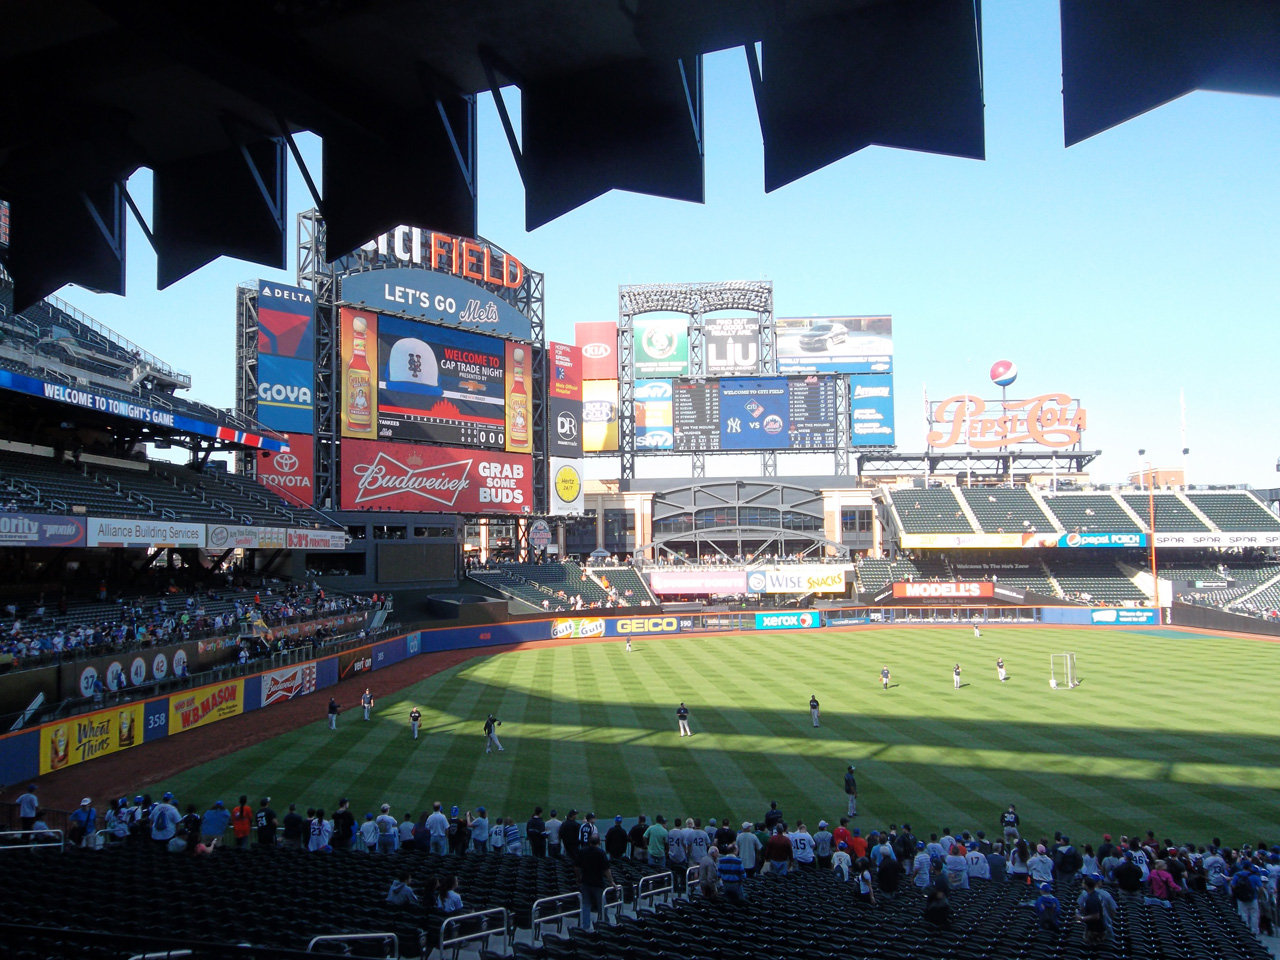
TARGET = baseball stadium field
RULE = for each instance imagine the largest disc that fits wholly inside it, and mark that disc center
(1168, 730)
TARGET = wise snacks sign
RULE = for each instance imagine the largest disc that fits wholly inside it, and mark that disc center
(423, 479)
(1053, 420)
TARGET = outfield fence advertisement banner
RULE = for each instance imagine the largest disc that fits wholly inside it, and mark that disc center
(698, 582)
(797, 620)
(800, 578)
(567, 627)
(72, 741)
(106, 532)
(1234, 539)
(996, 541)
(228, 537)
(1123, 615)
(203, 705)
(295, 681)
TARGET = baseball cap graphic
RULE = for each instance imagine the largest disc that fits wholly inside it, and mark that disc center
(412, 367)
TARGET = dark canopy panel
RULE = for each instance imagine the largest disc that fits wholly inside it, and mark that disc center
(1121, 58)
(208, 95)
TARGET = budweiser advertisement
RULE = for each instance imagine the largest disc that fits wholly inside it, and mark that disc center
(943, 591)
(402, 476)
(291, 474)
(295, 681)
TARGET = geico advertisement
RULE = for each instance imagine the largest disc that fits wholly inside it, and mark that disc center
(808, 578)
(407, 476)
(586, 627)
(75, 740)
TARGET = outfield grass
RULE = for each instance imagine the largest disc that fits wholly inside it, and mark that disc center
(1169, 731)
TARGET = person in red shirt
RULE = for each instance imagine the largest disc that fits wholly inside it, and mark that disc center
(778, 851)
(242, 822)
(841, 834)
(858, 845)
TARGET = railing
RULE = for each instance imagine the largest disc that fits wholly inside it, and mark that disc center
(572, 907)
(123, 342)
(343, 939)
(654, 886)
(483, 929)
(33, 843)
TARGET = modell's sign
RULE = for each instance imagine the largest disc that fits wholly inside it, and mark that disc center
(1053, 420)
(948, 591)
(404, 476)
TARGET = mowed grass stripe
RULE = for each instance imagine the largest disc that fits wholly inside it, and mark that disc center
(1140, 745)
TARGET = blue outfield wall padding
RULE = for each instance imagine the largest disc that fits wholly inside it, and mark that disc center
(1066, 615)
(498, 634)
(326, 672)
(252, 692)
(20, 757)
(155, 719)
(388, 652)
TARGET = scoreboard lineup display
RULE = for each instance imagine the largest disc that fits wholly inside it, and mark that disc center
(749, 413)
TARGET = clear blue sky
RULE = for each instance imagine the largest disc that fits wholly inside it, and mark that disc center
(1139, 262)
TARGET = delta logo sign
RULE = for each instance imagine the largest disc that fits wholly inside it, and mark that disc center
(434, 479)
(286, 321)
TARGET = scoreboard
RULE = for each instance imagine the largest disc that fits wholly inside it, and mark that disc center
(754, 413)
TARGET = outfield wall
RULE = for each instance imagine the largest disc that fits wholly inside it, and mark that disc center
(53, 746)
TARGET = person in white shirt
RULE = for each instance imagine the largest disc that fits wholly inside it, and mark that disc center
(696, 843)
(480, 831)
(921, 867)
(553, 834)
(406, 830)
(677, 851)
(388, 832)
(321, 832)
(369, 833)
(438, 829)
(957, 868)
(802, 845)
(841, 862)
(1040, 866)
(976, 860)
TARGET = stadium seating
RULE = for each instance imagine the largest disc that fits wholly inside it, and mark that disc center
(935, 510)
(1020, 572)
(1092, 578)
(1006, 510)
(518, 588)
(624, 578)
(1172, 515)
(566, 576)
(1085, 512)
(1235, 511)
(874, 573)
(40, 485)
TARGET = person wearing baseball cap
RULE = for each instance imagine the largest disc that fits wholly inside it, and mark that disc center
(164, 821)
(615, 840)
(1048, 910)
(749, 847)
(84, 821)
(841, 862)
(823, 846)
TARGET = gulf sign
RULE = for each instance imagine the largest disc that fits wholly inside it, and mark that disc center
(698, 582)
(944, 591)
(286, 321)
(1053, 420)
(577, 627)
(802, 578)
(404, 476)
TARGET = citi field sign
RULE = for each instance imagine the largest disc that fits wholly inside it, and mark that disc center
(1053, 420)
(446, 253)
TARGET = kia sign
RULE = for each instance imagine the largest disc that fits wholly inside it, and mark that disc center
(698, 582)
(788, 621)
(947, 591)
(798, 579)
(598, 342)
(422, 479)
(291, 474)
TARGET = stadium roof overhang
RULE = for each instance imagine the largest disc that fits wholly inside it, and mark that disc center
(728, 541)
(988, 463)
(208, 96)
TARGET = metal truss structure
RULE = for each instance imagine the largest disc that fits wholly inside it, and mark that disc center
(694, 300)
(320, 274)
(992, 463)
(247, 362)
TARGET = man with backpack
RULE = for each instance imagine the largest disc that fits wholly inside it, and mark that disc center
(1246, 891)
(1069, 861)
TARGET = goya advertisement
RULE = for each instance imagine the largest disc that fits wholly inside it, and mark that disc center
(91, 735)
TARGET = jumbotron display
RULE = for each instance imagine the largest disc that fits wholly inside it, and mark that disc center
(753, 413)
(408, 380)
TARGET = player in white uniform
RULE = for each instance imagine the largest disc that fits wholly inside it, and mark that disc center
(956, 674)
(628, 644)
(976, 632)
(1000, 669)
